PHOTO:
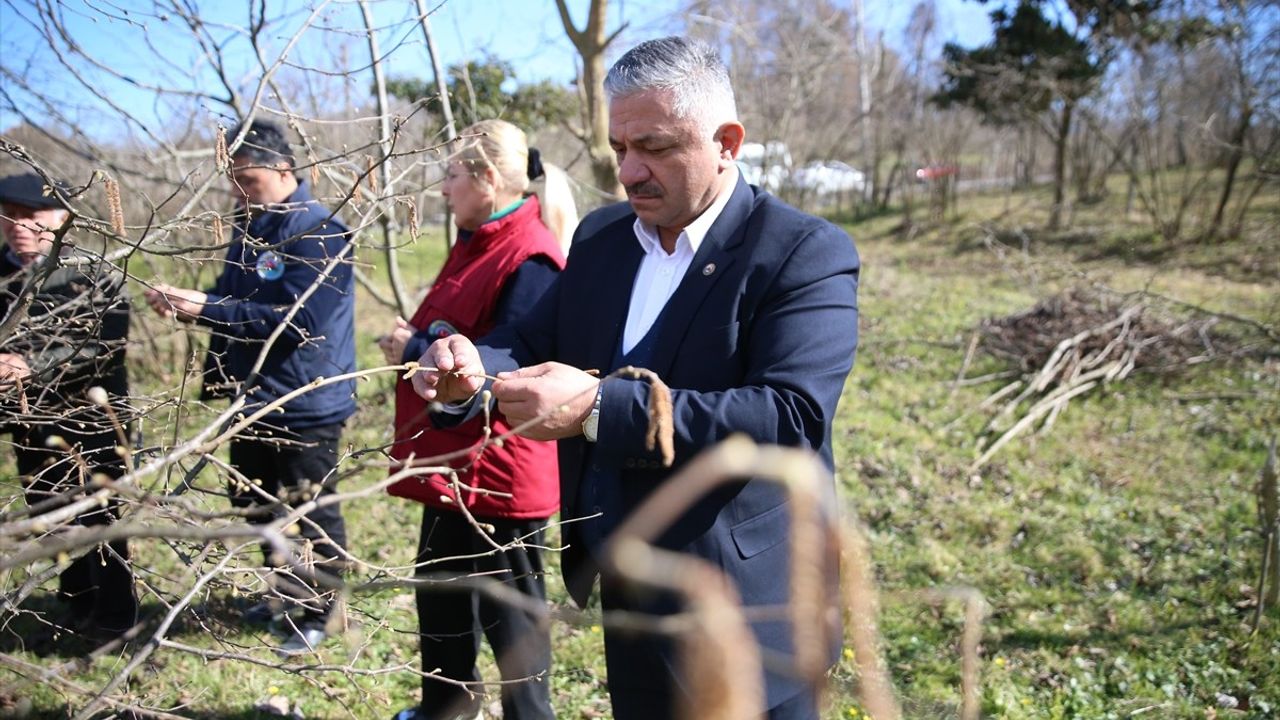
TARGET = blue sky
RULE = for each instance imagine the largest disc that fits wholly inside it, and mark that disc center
(152, 49)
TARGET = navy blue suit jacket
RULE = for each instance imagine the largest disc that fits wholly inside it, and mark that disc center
(757, 339)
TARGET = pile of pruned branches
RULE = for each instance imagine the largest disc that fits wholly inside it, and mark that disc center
(1081, 329)
(1079, 340)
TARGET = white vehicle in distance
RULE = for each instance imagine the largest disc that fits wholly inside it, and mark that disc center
(766, 165)
(827, 177)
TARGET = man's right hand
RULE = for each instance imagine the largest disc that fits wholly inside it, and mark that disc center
(455, 372)
(171, 302)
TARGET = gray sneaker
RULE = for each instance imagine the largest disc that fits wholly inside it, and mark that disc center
(303, 639)
(414, 713)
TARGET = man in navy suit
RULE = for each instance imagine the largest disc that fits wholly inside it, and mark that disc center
(745, 307)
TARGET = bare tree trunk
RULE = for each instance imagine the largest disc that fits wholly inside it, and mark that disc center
(1060, 142)
(1133, 178)
(386, 216)
(864, 90)
(1269, 517)
(591, 43)
(1233, 166)
(1027, 152)
(446, 106)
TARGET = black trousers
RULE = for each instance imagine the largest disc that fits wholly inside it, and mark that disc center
(451, 621)
(292, 468)
(98, 584)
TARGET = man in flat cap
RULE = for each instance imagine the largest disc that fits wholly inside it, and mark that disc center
(64, 322)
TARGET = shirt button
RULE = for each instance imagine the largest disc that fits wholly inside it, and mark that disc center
(629, 463)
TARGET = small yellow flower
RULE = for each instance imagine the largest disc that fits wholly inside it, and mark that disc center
(595, 628)
(1026, 701)
(1000, 662)
(273, 690)
(848, 653)
(853, 712)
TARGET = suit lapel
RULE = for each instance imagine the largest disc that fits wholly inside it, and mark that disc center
(710, 263)
(612, 299)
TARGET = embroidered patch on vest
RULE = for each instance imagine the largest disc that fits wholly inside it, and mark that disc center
(441, 329)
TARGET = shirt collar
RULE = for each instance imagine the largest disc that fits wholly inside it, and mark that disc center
(696, 231)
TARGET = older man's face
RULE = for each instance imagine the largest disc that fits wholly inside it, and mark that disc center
(672, 168)
(28, 231)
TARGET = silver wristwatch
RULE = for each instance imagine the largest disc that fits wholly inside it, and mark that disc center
(591, 426)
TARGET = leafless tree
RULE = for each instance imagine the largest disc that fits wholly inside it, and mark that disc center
(591, 42)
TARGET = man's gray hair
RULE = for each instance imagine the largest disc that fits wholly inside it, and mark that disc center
(690, 69)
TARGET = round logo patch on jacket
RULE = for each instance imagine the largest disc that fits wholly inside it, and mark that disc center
(441, 329)
(270, 266)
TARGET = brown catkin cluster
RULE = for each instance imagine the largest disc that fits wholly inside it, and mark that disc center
(112, 189)
(661, 432)
(370, 166)
(719, 653)
(414, 229)
(862, 607)
(808, 604)
(222, 159)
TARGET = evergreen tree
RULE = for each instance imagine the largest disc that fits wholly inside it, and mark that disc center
(1033, 70)
(486, 90)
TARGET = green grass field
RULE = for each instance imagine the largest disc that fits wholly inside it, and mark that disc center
(1119, 552)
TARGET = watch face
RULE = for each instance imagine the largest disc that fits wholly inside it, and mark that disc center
(591, 426)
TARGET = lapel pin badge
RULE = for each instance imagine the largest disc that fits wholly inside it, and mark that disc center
(710, 268)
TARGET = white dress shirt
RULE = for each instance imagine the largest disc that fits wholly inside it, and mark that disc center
(660, 273)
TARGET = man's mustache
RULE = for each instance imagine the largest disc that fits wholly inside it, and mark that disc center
(644, 189)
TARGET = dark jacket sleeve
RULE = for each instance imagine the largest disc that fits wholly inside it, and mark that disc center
(523, 289)
(529, 340)
(81, 332)
(519, 293)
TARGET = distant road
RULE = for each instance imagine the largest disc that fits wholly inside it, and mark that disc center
(980, 184)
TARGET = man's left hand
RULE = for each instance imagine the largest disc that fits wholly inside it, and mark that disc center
(393, 343)
(560, 394)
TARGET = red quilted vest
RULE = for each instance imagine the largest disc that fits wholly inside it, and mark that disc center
(518, 479)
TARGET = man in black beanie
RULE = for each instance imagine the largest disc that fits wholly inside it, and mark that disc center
(287, 249)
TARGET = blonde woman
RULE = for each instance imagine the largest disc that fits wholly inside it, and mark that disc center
(508, 253)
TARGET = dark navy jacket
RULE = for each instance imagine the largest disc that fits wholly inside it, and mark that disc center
(757, 339)
(245, 308)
